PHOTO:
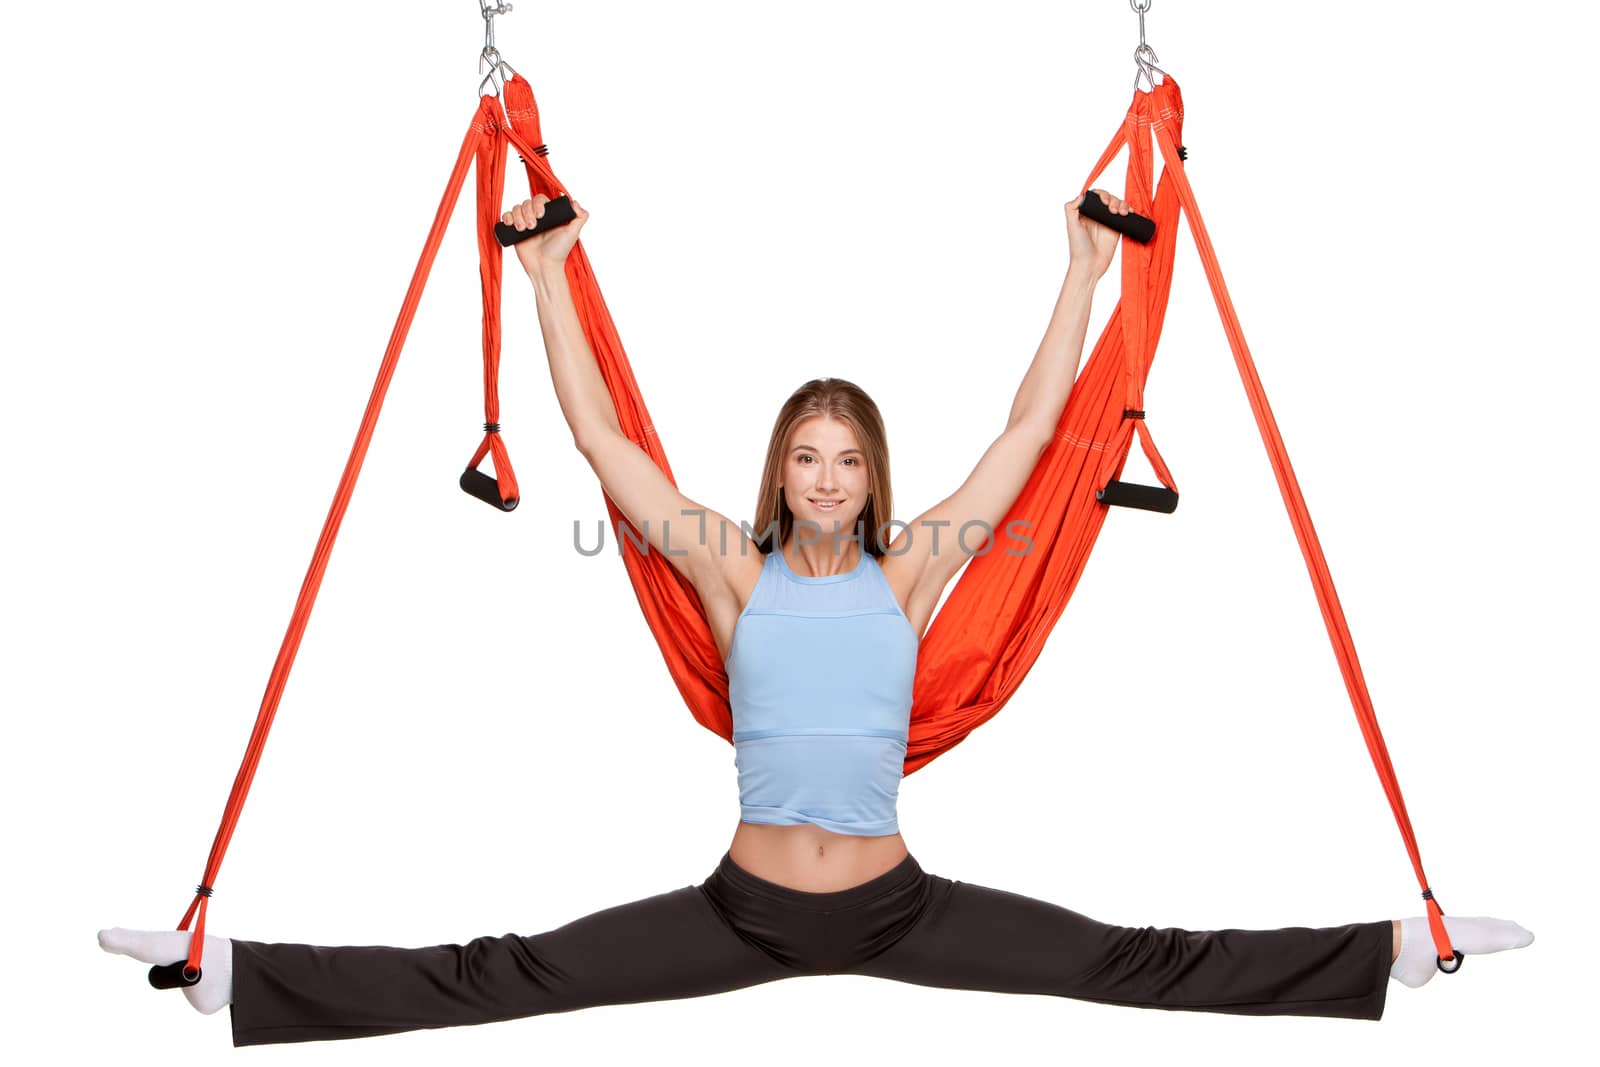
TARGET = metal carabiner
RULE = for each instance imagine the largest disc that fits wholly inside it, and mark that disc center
(1145, 58)
(497, 65)
(491, 54)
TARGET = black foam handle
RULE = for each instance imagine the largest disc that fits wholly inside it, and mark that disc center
(1132, 225)
(1144, 497)
(171, 976)
(485, 488)
(557, 212)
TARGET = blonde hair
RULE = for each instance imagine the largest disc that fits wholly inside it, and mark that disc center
(832, 398)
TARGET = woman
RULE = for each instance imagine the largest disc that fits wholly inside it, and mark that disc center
(818, 623)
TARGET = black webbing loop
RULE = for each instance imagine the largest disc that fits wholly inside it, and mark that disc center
(491, 427)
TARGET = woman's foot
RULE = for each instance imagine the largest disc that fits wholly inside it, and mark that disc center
(1416, 960)
(212, 993)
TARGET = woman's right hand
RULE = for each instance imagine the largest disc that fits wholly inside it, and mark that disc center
(549, 248)
(1091, 247)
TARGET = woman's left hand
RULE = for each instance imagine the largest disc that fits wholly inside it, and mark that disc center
(1093, 244)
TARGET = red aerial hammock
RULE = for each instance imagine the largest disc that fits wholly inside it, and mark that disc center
(994, 623)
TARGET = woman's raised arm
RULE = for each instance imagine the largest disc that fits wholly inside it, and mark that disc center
(667, 520)
(580, 389)
(993, 486)
(1042, 397)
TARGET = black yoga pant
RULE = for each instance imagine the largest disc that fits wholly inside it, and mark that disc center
(736, 930)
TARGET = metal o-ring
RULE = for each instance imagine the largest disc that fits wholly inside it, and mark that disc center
(1439, 961)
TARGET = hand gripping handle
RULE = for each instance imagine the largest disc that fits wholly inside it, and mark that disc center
(1132, 225)
(557, 212)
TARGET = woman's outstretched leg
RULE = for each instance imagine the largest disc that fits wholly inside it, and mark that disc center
(666, 947)
(973, 937)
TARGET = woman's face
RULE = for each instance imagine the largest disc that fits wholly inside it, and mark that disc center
(825, 466)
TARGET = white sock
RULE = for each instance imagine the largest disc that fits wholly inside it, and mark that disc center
(212, 993)
(1417, 962)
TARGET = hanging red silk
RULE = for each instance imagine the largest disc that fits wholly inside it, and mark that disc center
(992, 627)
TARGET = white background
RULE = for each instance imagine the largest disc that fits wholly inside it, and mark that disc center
(214, 211)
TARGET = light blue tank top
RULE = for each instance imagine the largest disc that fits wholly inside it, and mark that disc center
(819, 681)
